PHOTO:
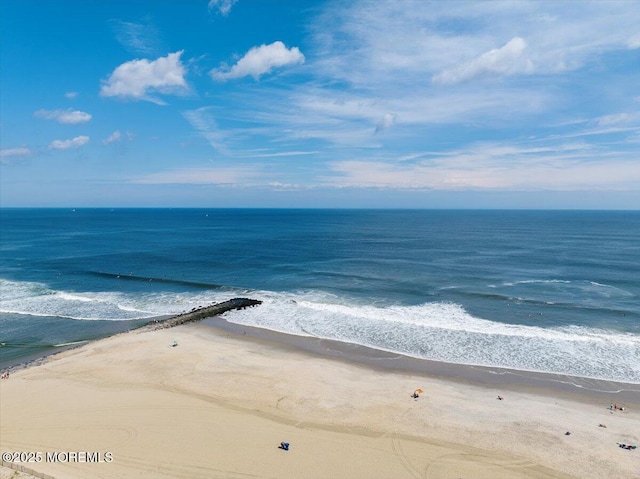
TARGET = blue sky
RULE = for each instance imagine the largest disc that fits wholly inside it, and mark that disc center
(265, 103)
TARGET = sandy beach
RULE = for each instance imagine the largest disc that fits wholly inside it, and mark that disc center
(218, 404)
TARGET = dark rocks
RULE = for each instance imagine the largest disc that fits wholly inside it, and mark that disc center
(198, 314)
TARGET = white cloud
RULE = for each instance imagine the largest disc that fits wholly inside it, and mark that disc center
(20, 151)
(278, 186)
(260, 60)
(113, 138)
(373, 44)
(617, 119)
(138, 79)
(373, 67)
(387, 122)
(117, 136)
(9, 156)
(76, 142)
(71, 95)
(506, 60)
(223, 6)
(555, 166)
(614, 175)
(64, 116)
(202, 176)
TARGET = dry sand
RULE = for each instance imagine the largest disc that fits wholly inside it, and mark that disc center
(218, 405)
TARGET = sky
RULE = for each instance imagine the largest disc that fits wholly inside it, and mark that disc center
(314, 104)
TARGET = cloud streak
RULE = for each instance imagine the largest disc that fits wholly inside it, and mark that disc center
(202, 176)
(566, 167)
(138, 38)
(76, 142)
(507, 60)
(71, 117)
(115, 137)
(20, 151)
(205, 124)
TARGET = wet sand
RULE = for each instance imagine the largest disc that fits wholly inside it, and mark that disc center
(220, 402)
(577, 388)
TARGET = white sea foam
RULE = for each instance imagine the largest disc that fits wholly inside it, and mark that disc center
(37, 299)
(446, 332)
(438, 330)
(578, 286)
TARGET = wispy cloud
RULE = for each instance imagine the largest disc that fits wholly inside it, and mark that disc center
(281, 154)
(223, 7)
(76, 142)
(203, 121)
(624, 118)
(9, 155)
(71, 95)
(143, 79)
(20, 151)
(506, 60)
(396, 95)
(574, 166)
(64, 116)
(259, 61)
(203, 176)
(370, 42)
(117, 137)
(277, 186)
(634, 42)
(387, 122)
(138, 38)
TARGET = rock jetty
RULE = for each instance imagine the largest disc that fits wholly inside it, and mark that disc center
(198, 314)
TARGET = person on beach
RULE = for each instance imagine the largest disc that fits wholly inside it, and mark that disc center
(627, 446)
(284, 445)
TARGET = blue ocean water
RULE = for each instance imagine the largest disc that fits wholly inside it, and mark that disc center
(549, 291)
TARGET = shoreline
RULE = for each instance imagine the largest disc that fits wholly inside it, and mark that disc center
(578, 388)
(575, 387)
(219, 402)
(158, 322)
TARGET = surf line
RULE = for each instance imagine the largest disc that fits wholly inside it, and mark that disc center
(198, 314)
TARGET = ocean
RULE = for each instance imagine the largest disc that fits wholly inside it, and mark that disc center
(545, 291)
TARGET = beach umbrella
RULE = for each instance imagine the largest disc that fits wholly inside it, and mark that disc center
(419, 390)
